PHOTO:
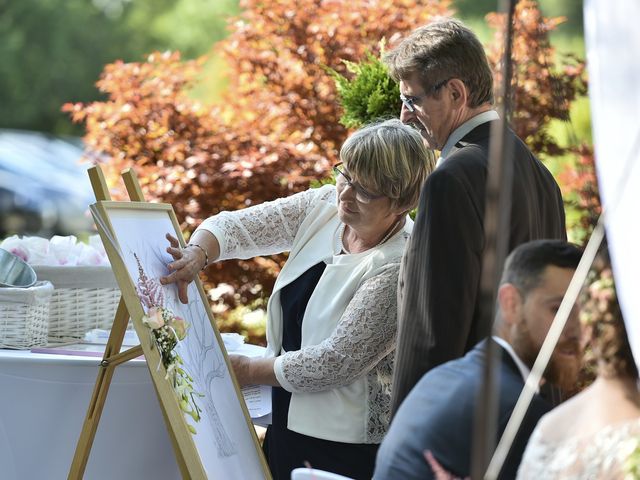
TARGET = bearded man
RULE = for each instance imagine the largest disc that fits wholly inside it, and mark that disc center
(438, 414)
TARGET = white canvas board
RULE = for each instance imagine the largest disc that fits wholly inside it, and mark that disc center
(224, 440)
(613, 45)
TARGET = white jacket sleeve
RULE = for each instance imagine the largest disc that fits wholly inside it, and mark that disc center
(264, 229)
(365, 334)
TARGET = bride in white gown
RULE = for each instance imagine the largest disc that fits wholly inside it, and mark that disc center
(592, 435)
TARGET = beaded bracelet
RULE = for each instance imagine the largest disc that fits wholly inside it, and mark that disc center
(206, 257)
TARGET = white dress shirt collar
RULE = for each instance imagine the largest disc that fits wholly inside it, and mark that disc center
(524, 370)
(460, 132)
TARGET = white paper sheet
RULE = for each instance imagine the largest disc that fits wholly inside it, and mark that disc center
(257, 397)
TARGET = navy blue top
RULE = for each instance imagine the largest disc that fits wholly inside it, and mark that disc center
(286, 450)
(294, 299)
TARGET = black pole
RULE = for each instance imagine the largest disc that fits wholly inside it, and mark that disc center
(496, 230)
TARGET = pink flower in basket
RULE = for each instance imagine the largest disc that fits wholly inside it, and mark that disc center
(14, 245)
(20, 253)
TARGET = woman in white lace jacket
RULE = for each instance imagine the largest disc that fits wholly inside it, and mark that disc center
(594, 434)
(331, 327)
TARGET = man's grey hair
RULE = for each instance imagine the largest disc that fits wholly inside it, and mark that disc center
(439, 51)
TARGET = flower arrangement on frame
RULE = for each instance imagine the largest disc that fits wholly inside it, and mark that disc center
(166, 330)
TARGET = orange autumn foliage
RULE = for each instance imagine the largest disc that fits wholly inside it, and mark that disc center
(542, 88)
(275, 129)
(544, 85)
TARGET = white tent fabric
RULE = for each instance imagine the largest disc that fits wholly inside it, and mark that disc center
(613, 44)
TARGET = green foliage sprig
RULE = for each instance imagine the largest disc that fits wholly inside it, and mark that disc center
(632, 463)
(369, 95)
(166, 330)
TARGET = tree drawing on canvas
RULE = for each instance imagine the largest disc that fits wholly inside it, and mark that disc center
(190, 350)
(168, 330)
(208, 367)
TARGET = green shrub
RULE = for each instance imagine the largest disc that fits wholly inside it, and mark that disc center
(369, 95)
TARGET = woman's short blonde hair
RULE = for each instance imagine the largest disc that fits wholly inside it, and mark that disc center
(390, 159)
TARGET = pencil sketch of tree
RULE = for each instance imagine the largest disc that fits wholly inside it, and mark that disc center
(207, 365)
(206, 360)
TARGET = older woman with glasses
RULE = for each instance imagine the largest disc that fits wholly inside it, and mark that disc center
(331, 327)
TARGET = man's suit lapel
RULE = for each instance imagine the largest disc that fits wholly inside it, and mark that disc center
(505, 358)
(508, 362)
(478, 135)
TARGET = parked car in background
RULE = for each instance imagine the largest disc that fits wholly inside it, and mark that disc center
(44, 189)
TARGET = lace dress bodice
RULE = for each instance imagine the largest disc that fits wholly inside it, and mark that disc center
(598, 456)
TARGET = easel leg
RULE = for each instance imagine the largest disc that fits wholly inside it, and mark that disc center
(91, 421)
(179, 457)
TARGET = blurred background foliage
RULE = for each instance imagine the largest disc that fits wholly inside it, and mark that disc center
(52, 51)
(274, 129)
(257, 116)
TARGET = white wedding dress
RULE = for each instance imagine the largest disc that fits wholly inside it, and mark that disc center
(598, 456)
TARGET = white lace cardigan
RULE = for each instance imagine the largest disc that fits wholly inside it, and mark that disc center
(340, 379)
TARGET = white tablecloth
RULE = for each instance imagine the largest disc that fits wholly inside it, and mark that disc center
(43, 402)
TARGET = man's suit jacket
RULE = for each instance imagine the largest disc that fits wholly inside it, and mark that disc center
(438, 304)
(438, 415)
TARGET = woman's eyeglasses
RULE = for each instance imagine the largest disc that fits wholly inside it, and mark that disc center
(362, 194)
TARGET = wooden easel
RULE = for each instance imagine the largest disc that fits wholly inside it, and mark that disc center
(187, 458)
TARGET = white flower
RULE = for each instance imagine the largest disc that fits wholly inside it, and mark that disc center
(64, 249)
(88, 255)
(180, 327)
(153, 319)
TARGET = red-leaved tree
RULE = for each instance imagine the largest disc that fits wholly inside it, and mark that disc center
(276, 127)
(542, 88)
(544, 85)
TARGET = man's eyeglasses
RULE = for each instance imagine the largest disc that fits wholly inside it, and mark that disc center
(362, 195)
(410, 102)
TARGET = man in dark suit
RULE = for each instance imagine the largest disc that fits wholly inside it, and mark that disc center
(438, 414)
(447, 92)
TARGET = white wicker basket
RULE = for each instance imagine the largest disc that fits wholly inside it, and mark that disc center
(24, 316)
(84, 298)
